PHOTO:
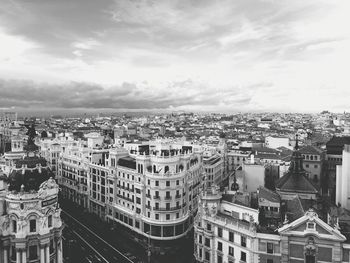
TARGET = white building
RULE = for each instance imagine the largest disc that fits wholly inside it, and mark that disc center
(156, 188)
(342, 191)
(276, 142)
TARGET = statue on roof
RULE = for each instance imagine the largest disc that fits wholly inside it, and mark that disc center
(31, 146)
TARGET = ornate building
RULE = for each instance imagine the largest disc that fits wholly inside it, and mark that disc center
(31, 227)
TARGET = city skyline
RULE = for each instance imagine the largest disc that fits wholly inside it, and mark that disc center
(175, 55)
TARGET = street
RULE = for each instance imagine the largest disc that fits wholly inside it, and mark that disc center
(82, 244)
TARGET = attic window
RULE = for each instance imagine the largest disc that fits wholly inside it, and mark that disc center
(311, 226)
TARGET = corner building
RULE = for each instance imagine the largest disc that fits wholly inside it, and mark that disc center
(156, 186)
(31, 227)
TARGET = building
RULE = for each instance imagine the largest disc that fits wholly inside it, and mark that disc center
(213, 164)
(31, 227)
(342, 192)
(290, 225)
(334, 157)
(313, 161)
(155, 188)
(236, 158)
(276, 142)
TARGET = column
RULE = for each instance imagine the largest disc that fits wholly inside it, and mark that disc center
(6, 255)
(47, 254)
(59, 251)
(24, 256)
(18, 256)
(42, 255)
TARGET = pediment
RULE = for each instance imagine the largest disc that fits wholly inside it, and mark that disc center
(310, 224)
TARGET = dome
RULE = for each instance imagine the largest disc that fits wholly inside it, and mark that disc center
(30, 172)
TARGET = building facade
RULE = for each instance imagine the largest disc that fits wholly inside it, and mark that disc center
(31, 227)
(155, 188)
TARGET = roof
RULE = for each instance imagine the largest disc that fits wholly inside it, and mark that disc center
(310, 150)
(127, 162)
(32, 177)
(269, 195)
(335, 144)
(295, 179)
(295, 209)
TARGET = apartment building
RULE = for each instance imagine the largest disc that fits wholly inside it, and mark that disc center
(156, 187)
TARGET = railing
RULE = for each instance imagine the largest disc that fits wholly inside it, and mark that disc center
(167, 209)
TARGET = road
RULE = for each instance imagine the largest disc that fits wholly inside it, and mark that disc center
(84, 245)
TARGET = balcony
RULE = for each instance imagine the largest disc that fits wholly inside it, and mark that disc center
(156, 197)
(167, 209)
(177, 196)
(167, 197)
(148, 195)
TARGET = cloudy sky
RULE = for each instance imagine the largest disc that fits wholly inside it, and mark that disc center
(227, 55)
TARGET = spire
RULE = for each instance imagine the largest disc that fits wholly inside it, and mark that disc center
(296, 142)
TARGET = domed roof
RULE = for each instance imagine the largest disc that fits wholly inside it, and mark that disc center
(30, 172)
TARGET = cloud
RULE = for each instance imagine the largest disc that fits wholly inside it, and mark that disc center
(184, 94)
(223, 47)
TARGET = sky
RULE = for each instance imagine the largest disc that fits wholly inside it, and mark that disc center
(208, 55)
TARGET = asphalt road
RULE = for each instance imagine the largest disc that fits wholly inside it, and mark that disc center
(84, 245)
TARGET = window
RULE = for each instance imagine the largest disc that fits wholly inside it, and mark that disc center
(269, 260)
(32, 225)
(49, 221)
(13, 253)
(157, 216)
(167, 216)
(207, 256)
(311, 225)
(231, 237)
(157, 183)
(219, 246)
(14, 226)
(200, 253)
(167, 183)
(243, 241)
(138, 200)
(200, 239)
(33, 252)
(207, 242)
(209, 227)
(230, 251)
(177, 182)
(306, 165)
(269, 248)
(219, 232)
(316, 166)
(243, 256)
(219, 259)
